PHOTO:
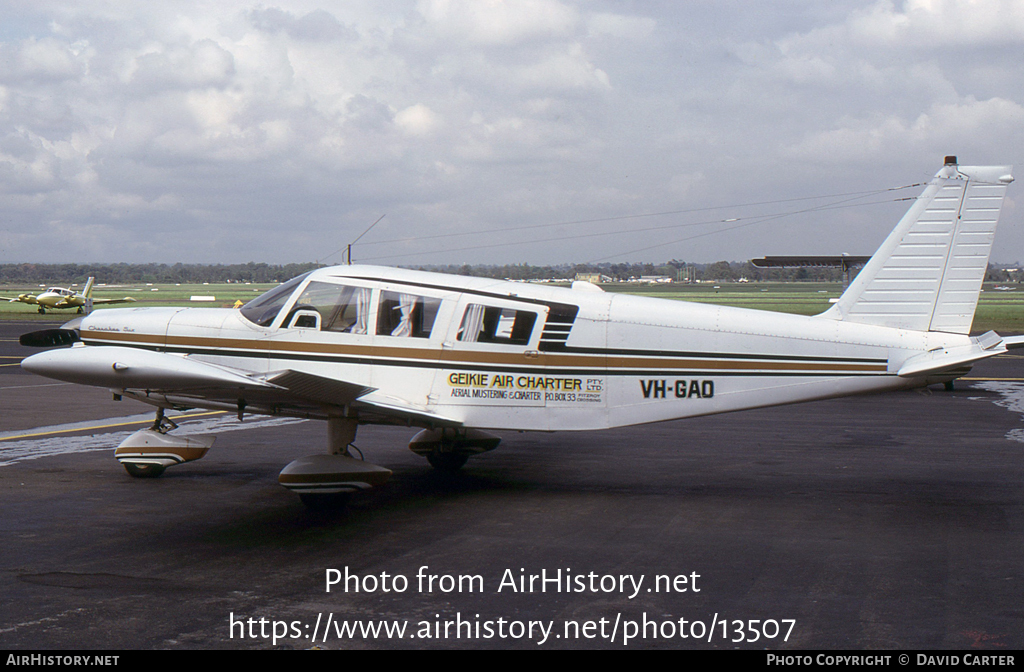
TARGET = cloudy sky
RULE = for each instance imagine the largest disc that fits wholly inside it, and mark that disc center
(492, 131)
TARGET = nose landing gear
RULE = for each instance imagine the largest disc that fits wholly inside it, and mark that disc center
(148, 452)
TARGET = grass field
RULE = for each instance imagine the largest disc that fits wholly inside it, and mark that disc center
(1002, 311)
(225, 296)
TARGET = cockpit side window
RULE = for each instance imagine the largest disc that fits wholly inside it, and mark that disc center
(489, 324)
(407, 315)
(342, 308)
(264, 308)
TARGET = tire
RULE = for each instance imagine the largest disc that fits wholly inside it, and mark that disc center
(325, 502)
(143, 470)
(448, 463)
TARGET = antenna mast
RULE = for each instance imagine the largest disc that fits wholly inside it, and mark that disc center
(348, 248)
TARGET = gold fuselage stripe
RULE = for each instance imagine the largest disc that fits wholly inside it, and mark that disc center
(543, 359)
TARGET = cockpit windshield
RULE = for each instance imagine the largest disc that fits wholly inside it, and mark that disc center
(264, 308)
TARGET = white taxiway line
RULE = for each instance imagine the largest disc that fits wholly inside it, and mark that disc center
(39, 442)
(103, 423)
(25, 387)
(1012, 399)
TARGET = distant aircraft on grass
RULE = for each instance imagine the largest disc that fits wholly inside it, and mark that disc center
(455, 355)
(61, 298)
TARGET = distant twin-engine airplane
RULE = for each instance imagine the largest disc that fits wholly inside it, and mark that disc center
(454, 355)
(59, 298)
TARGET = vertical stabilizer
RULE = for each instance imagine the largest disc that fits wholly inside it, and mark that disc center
(927, 274)
(87, 293)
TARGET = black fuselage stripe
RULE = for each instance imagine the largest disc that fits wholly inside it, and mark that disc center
(623, 352)
(597, 369)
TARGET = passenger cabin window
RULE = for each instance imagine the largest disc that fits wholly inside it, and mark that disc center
(332, 307)
(487, 324)
(407, 315)
(264, 308)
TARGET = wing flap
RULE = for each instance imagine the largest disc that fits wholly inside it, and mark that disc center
(318, 388)
(366, 401)
(392, 407)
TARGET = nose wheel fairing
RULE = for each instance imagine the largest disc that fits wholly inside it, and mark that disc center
(147, 452)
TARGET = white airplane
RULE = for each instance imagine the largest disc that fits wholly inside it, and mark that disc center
(60, 298)
(455, 356)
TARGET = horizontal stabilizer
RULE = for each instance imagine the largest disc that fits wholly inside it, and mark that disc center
(939, 360)
(1012, 342)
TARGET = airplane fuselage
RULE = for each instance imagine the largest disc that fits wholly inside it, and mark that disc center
(53, 299)
(503, 355)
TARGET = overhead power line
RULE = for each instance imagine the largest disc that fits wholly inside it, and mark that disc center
(746, 222)
(597, 220)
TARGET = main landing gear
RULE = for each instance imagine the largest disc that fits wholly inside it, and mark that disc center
(448, 449)
(323, 481)
(326, 481)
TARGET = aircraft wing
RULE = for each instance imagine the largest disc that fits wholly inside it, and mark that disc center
(118, 367)
(127, 299)
(185, 381)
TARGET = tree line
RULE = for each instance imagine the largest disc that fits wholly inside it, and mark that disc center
(674, 269)
(677, 270)
(719, 271)
(117, 274)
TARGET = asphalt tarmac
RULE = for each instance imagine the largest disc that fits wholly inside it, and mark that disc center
(892, 521)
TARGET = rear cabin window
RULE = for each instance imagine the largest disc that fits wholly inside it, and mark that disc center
(487, 324)
(406, 315)
(342, 308)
